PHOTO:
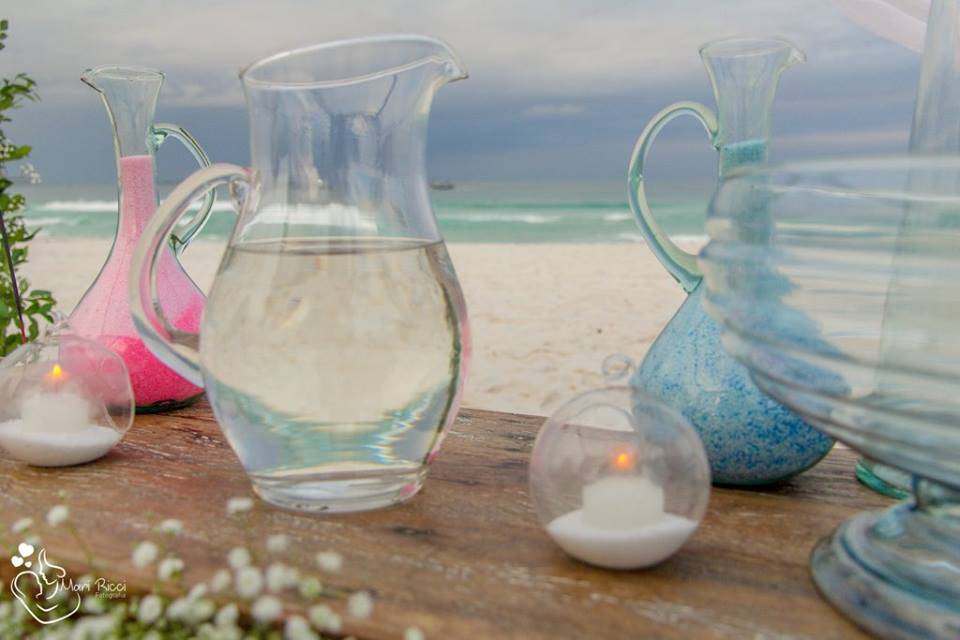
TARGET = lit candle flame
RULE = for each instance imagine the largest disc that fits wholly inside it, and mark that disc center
(623, 461)
(56, 373)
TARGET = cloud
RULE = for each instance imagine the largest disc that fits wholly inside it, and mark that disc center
(548, 49)
(556, 87)
(552, 110)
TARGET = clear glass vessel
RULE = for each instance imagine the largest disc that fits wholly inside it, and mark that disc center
(335, 340)
(935, 129)
(750, 439)
(798, 270)
(64, 400)
(619, 479)
(130, 96)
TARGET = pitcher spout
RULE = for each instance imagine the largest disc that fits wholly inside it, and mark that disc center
(348, 62)
(745, 73)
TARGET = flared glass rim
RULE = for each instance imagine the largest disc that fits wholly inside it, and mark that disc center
(745, 46)
(248, 73)
(121, 72)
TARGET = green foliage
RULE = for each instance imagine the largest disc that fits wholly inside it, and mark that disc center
(37, 303)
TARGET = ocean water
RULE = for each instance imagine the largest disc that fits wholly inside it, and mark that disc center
(518, 212)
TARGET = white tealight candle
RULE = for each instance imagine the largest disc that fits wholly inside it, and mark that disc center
(622, 502)
(63, 411)
(54, 430)
(621, 525)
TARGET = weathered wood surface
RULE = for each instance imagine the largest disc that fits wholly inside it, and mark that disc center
(466, 558)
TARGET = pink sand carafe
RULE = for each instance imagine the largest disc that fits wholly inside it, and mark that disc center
(130, 96)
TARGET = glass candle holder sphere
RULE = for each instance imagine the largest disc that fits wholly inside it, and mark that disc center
(619, 479)
(64, 400)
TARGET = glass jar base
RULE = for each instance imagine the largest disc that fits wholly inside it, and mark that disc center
(320, 494)
(884, 479)
(875, 568)
(168, 405)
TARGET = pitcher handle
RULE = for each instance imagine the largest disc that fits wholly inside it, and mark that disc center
(162, 131)
(178, 349)
(681, 264)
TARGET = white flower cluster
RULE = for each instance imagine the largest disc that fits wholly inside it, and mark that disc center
(196, 613)
(238, 505)
(144, 554)
(28, 171)
(57, 515)
(21, 525)
(171, 527)
(330, 561)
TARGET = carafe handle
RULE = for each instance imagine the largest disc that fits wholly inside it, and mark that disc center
(681, 264)
(178, 349)
(162, 131)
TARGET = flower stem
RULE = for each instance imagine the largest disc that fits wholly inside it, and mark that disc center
(13, 277)
(91, 561)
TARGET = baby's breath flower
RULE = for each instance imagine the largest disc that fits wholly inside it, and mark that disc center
(34, 540)
(238, 505)
(150, 609)
(330, 561)
(227, 616)
(178, 609)
(21, 525)
(323, 618)
(278, 543)
(248, 582)
(220, 581)
(58, 515)
(281, 576)
(171, 527)
(238, 558)
(169, 567)
(27, 170)
(201, 610)
(197, 591)
(266, 609)
(153, 635)
(93, 604)
(310, 587)
(413, 633)
(95, 627)
(297, 628)
(144, 554)
(360, 604)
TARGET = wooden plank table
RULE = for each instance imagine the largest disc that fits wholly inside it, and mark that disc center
(466, 558)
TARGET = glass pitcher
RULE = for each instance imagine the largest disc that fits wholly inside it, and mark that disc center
(749, 438)
(335, 339)
(935, 130)
(130, 96)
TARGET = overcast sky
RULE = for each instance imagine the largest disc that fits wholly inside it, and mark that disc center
(557, 90)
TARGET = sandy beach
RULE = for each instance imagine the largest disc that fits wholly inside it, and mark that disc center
(543, 315)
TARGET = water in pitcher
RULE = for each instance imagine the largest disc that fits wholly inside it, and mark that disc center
(334, 357)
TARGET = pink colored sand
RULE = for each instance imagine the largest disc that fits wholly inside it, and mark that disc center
(103, 313)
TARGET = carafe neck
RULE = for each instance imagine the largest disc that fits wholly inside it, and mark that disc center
(130, 96)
